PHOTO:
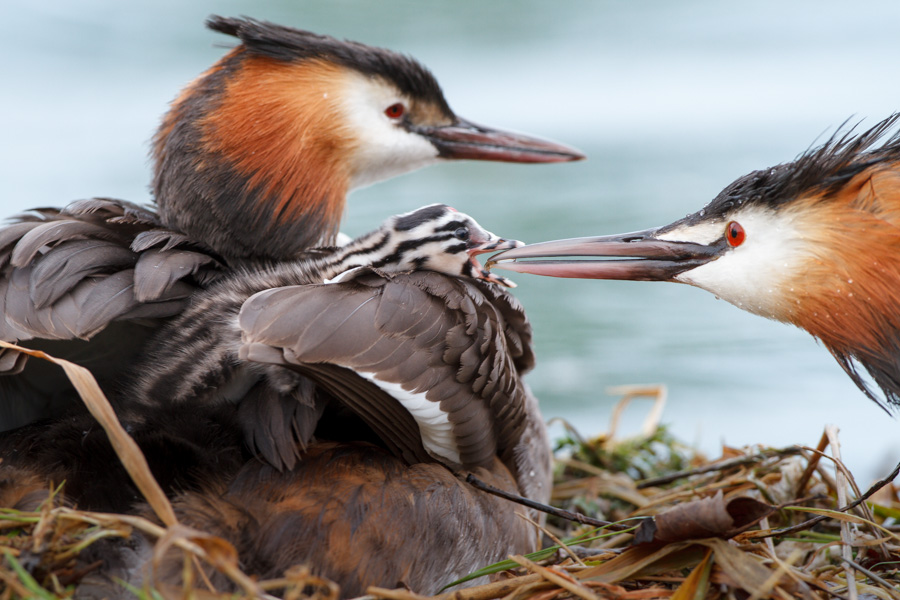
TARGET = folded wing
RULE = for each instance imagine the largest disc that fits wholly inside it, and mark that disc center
(447, 352)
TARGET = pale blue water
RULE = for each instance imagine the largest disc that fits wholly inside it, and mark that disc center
(671, 101)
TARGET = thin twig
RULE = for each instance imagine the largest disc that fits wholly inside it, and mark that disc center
(809, 523)
(496, 589)
(562, 545)
(546, 508)
(874, 577)
(719, 466)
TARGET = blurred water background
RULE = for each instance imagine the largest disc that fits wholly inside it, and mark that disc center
(670, 101)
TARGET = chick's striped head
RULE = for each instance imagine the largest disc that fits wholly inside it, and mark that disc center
(435, 238)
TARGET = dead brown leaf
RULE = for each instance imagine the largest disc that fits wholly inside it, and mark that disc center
(704, 518)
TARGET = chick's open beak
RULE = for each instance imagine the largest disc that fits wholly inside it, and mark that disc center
(494, 243)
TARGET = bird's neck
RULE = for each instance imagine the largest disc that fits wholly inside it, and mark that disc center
(849, 295)
(250, 162)
(374, 249)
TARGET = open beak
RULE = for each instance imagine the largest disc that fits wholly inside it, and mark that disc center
(638, 256)
(493, 244)
(464, 139)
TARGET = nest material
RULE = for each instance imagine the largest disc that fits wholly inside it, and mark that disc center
(757, 523)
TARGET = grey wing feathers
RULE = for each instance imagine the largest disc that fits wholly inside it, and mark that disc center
(445, 337)
(56, 273)
(68, 273)
(158, 238)
(277, 426)
(159, 271)
(51, 233)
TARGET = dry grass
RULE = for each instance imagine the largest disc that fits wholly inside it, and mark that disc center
(805, 546)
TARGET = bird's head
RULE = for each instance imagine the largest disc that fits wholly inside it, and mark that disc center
(256, 156)
(435, 238)
(814, 243)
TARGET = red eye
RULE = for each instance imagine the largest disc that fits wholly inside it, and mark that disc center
(395, 111)
(734, 233)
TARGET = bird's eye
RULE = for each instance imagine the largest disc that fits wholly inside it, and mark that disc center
(462, 233)
(395, 111)
(735, 234)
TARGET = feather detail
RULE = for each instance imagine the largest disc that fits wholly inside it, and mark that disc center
(158, 271)
(69, 274)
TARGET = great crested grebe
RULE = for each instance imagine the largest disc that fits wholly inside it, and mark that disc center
(252, 164)
(399, 330)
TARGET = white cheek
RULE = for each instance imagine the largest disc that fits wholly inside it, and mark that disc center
(736, 279)
(756, 276)
(451, 264)
(382, 150)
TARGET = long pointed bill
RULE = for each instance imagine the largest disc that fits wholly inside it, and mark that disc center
(639, 256)
(464, 139)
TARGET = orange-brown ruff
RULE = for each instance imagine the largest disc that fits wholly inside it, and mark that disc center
(279, 133)
(849, 293)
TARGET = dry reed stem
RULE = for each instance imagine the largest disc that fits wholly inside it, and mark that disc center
(489, 591)
(846, 537)
(561, 579)
(629, 392)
